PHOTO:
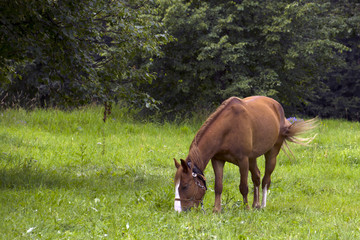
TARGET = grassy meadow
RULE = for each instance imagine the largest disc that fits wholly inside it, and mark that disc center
(67, 175)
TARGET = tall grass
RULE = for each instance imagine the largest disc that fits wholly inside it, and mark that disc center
(67, 175)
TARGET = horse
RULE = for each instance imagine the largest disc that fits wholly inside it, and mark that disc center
(238, 132)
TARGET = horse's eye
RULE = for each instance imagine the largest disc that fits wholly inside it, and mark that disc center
(184, 187)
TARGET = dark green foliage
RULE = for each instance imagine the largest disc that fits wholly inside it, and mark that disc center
(74, 52)
(281, 49)
(304, 54)
(339, 95)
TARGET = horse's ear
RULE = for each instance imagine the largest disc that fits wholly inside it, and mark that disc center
(177, 164)
(184, 165)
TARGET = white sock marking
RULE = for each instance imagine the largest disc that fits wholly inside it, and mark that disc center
(177, 203)
(264, 197)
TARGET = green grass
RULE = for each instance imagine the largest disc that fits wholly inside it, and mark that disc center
(67, 175)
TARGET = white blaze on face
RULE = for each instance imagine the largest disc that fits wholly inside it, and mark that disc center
(177, 203)
(264, 197)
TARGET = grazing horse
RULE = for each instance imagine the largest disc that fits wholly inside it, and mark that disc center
(239, 131)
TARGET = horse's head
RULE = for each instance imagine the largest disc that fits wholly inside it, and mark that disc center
(190, 186)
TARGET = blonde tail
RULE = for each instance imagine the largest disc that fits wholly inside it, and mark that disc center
(291, 132)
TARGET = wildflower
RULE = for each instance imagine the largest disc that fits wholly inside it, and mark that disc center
(294, 119)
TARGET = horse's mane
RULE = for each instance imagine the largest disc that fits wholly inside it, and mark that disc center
(194, 153)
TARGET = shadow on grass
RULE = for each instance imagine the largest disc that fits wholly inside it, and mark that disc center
(134, 186)
(31, 175)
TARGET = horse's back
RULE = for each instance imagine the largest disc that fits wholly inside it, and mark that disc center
(258, 109)
(260, 120)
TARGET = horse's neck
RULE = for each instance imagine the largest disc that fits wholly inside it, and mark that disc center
(206, 146)
(202, 152)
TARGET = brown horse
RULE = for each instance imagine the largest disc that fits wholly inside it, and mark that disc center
(239, 131)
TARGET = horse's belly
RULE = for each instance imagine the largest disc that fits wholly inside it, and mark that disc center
(261, 147)
(228, 157)
(264, 137)
(239, 146)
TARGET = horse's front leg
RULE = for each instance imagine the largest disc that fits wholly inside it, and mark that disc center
(244, 189)
(218, 167)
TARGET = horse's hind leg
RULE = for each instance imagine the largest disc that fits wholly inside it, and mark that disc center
(270, 162)
(255, 176)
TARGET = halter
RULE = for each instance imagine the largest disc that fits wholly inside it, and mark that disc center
(196, 174)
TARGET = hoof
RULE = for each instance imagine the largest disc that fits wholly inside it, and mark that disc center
(257, 206)
(217, 210)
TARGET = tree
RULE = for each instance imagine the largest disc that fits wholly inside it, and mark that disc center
(339, 95)
(74, 52)
(279, 49)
